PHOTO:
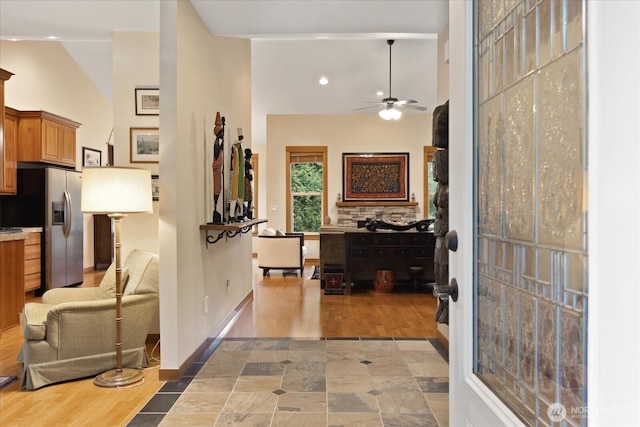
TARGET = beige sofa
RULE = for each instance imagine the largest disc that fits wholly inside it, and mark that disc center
(283, 251)
(72, 333)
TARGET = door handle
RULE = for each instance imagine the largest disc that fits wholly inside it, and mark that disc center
(451, 240)
(447, 291)
(67, 214)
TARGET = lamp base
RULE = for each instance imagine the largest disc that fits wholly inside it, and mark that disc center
(119, 377)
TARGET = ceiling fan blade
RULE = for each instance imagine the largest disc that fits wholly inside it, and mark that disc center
(406, 101)
(414, 107)
(364, 108)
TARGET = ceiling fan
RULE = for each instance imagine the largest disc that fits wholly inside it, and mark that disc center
(390, 106)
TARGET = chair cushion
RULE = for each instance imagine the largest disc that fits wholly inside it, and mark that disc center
(34, 320)
(108, 283)
(144, 273)
(268, 232)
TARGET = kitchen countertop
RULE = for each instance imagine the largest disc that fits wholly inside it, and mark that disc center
(24, 234)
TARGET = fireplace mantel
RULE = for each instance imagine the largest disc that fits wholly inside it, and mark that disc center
(374, 204)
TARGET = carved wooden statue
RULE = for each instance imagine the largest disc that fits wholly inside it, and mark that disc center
(237, 180)
(218, 170)
(248, 184)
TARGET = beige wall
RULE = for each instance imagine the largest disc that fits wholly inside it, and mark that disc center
(200, 74)
(443, 67)
(47, 78)
(135, 64)
(341, 134)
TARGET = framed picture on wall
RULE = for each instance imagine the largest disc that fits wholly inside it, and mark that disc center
(144, 145)
(147, 102)
(375, 177)
(155, 187)
(91, 157)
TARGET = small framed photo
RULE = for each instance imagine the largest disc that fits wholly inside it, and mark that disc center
(144, 145)
(155, 187)
(91, 157)
(147, 102)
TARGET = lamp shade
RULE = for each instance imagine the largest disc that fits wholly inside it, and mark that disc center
(390, 114)
(110, 190)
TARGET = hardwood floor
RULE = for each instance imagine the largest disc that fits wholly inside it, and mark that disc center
(285, 307)
(74, 403)
(281, 307)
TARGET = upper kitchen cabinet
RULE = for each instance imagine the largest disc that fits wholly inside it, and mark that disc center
(46, 137)
(7, 145)
(10, 150)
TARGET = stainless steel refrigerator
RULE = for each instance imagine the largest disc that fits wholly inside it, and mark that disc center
(49, 197)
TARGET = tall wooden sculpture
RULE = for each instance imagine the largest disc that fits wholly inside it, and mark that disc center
(248, 184)
(441, 226)
(218, 170)
(237, 180)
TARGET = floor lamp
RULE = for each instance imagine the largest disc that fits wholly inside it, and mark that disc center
(117, 192)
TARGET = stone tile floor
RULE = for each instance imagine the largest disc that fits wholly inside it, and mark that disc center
(306, 382)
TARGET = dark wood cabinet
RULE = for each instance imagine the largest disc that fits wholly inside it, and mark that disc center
(102, 242)
(366, 252)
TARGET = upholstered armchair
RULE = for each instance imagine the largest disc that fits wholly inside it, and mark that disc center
(282, 251)
(72, 333)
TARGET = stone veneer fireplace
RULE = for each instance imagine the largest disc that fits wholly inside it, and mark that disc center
(349, 213)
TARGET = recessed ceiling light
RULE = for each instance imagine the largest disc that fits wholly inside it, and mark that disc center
(323, 81)
(52, 37)
(379, 93)
(321, 37)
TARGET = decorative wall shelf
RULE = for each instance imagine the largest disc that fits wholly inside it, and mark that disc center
(229, 230)
(381, 203)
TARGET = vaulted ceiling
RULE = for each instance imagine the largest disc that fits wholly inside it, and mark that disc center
(294, 43)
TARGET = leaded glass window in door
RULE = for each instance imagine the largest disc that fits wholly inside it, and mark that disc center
(531, 278)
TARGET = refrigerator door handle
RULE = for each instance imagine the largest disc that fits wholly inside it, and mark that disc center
(67, 215)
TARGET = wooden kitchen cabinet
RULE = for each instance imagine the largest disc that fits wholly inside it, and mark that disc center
(8, 153)
(32, 261)
(11, 282)
(46, 137)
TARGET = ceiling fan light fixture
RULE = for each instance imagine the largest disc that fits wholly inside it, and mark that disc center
(390, 114)
(388, 104)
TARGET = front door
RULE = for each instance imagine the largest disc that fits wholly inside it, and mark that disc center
(531, 191)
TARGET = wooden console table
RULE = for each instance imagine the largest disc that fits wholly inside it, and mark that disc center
(367, 251)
